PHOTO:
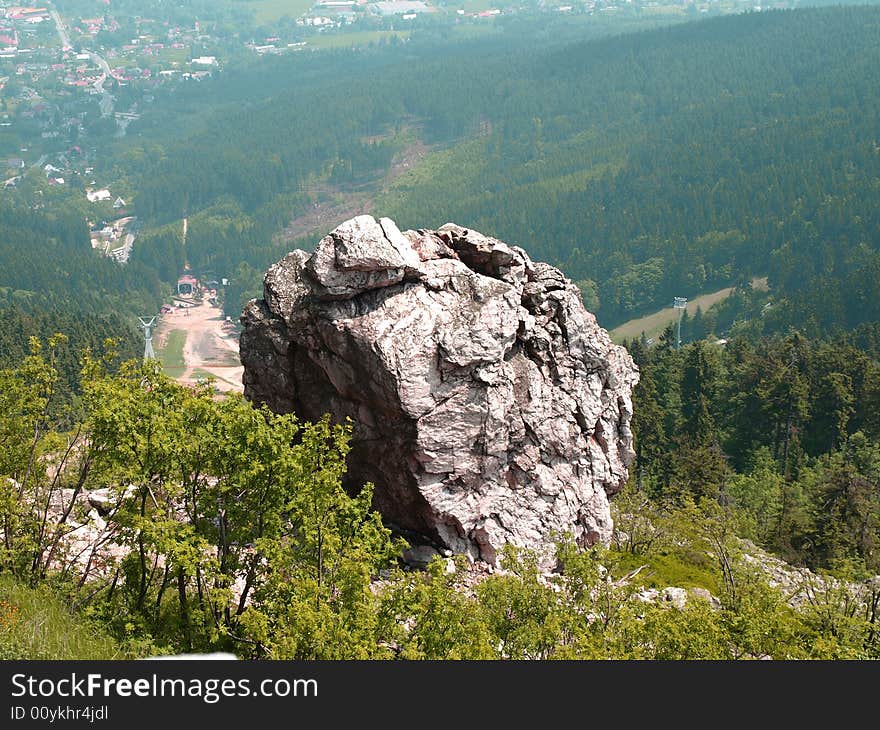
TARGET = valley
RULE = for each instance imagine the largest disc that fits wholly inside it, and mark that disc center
(472, 438)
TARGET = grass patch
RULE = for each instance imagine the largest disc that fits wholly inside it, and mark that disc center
(171, 354)
(227, 358)
(267, 11)
(35, 624)
(654, 324)
(683, 569)
(198, 373)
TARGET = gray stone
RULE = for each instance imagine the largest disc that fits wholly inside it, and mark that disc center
(704, 595)
(418, 556)
(488, 406)
(676, 596)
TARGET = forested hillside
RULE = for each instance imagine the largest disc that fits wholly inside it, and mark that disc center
(784, 428)
(648, 165)
(232, 531)
(52, 281)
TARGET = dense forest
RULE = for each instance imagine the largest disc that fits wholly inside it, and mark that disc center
(52, 281)
(655, 164)
(649, 165)
(785, 428)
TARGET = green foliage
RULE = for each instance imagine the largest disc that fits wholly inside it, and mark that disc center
(521, 613)
(844, 489)
(779, 429)
(316, 602)
(237, 533)
(640, 183)
(84, 331)
(759, 496)
(35, 624)
(428, 615)
(223, 509)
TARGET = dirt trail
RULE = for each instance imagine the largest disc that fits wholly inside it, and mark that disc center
(210, 348)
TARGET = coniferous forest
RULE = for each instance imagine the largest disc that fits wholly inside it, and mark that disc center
(666, 162)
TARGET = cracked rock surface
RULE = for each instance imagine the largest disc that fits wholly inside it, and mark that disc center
(488, 405)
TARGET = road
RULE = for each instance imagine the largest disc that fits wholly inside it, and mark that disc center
(122, 253)
(106, 102)
(62, 31)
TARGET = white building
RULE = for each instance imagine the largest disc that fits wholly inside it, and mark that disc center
(96, 196)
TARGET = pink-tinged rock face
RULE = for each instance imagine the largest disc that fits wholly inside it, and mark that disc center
(489, 407)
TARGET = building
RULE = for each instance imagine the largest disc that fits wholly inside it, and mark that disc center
(96, 196)
(397, 7)
(187, 285)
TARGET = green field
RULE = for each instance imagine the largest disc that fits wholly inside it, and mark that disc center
(171, 354)
(653, 324)
(680, 567)
(267, 11)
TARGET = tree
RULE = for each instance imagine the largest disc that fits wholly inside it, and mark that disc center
(844, 490)
(315, 601)
(589, 294)
(649, 435)
(698, 386)
(520, 612)
(26, 445)
(428, 615)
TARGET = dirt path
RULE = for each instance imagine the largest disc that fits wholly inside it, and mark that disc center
(210, 347)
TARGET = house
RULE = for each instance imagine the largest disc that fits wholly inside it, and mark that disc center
(27, 14)
(397, 7)
(186, 285)
(118, 203)
(96, 196)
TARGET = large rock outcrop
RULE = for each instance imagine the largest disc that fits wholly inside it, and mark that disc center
(489, 407)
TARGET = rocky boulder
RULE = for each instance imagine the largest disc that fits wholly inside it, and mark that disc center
(488, 405)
